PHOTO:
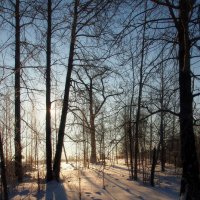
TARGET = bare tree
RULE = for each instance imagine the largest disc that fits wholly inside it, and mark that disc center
(16, 17)
(57, 159)
(141, 83)
(84, 16)
(190, 183)
(96, 95)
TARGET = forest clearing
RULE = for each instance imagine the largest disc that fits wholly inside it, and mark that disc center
(85, 184)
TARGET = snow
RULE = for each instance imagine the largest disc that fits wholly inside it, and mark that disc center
(85, 184)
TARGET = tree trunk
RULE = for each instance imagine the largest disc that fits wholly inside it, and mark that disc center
(3, 171)
(162, 143)
(126, 143)
(130, 145)
(93, 158)
(18, 148)
(151, 139)
(49, 174)
(190, 184)
(139, 97)
(153, 166)
(57, 159)
(130, 126)
(162, 136)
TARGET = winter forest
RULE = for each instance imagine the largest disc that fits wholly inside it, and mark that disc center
(100, 99)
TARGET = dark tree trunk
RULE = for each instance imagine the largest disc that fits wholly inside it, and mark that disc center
(130, 144)
(3, 171)
(18, 148)
(162, 136)
(162, 143)
(190, 184)
(126, 144)
(153, 166)
(129, 123)
(136, 152)
(93, 158)
(126, 138)
(151, 139)
(57, 159)
(84, 145)
(49, 175)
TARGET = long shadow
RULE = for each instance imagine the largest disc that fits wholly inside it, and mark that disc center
(20, 193)
(55, 191)
(119, 167)
(119, 184)
(115, 183)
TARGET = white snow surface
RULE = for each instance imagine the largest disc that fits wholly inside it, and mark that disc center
(83, 183)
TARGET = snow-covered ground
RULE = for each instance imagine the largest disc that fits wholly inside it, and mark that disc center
(97, 183)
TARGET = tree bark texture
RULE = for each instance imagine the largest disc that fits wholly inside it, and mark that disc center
(93, 158)
(190, 184)
(18, 148)
(49, 175)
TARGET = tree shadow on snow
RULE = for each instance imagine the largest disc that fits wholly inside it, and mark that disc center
(55, 191)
